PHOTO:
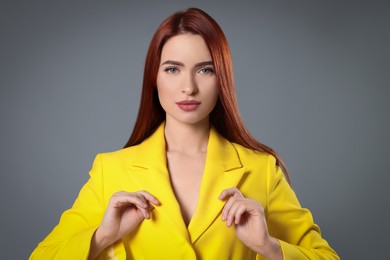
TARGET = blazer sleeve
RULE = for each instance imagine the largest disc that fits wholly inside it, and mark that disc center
(71, 238)
(292, 225)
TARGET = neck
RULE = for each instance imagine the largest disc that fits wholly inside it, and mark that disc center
(187, 138)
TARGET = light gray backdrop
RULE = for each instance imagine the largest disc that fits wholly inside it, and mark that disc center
(312, 80)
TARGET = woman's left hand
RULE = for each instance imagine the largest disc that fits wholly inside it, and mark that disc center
(247, 216)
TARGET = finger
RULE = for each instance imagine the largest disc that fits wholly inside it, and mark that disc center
(149, 197)
(230, 208)
(145, 213)
(120, 200)
(239, 212)
(227, 207)
(142, 195)
(232, 212)
(225, 194)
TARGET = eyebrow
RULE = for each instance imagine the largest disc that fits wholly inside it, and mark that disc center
(178, 63)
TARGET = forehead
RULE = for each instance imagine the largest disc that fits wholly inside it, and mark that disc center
(186, 48)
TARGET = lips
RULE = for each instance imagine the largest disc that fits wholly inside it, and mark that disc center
(188, 105)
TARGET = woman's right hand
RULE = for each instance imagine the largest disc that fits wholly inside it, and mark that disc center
(124, 212)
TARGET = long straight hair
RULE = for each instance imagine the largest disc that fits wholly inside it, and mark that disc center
(225, 116)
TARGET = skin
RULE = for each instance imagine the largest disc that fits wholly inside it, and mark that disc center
(186, 73)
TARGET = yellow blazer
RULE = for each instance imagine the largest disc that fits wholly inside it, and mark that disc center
(165, 236)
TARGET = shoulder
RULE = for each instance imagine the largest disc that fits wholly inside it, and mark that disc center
(111, 168)
(255, 158)
(120, 156)
(120, 153)
(260, 168)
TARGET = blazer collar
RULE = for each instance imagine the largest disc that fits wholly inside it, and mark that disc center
(223, 169)
(219, 150)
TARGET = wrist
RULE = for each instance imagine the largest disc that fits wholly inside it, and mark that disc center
(99, 242)
(102, 239)
(271, 249)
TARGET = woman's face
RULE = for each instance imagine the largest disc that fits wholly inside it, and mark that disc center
(186, 82)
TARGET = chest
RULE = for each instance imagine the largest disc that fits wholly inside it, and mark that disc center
(186, 172)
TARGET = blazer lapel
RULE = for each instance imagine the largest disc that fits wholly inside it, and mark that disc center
(149, 172)
(223, 169)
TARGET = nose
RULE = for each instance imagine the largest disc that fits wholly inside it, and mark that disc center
(189, 86)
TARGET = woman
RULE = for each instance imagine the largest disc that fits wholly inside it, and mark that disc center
(191, 183)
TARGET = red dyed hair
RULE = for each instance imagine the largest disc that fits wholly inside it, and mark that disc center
(225, 116)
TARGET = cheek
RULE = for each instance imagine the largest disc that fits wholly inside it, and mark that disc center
(164, 91)
(159, 82)
(165, 84)
(214, 92)
(162, 95)
(161, 86)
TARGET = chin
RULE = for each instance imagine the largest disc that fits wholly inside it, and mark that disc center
(191, 120)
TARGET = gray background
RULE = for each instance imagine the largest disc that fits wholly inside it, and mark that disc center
(312, 80)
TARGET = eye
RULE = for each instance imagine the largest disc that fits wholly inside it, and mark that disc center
(206, 70)
(172, 70)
